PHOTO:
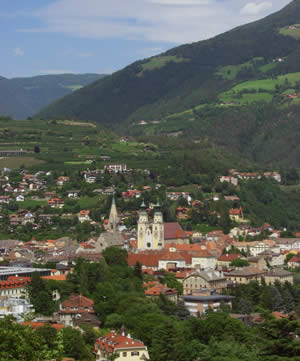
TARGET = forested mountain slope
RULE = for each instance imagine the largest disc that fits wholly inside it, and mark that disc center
(240, 89)
(180, 78)
(22, 97)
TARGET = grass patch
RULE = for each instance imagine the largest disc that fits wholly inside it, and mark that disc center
(267, 67)
(17, 162)
(158, 62)
(230, 72)
(80, 124)
(30, 203)
(292, 30)
(88, 202)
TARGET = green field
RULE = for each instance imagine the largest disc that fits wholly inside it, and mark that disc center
(230, 72)
(267, 84)
(293, 31)
(19, 162)
(158, 62)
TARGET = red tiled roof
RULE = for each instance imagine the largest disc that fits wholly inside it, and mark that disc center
(229, 257)
(279, 315)
(148, 258)
(160, 290)
(114, 341)
(78, 301)
(294, 259)
(173, 230)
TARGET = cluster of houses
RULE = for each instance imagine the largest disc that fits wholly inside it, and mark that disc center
(234, 176)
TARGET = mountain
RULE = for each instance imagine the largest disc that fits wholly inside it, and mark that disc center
(22, 97)
(193, 89)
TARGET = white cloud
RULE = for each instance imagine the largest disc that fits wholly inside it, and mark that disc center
(255, 8)
(18, 52)
(171, 21)
(55, 71)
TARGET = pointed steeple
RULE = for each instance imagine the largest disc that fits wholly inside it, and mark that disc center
(113, 220)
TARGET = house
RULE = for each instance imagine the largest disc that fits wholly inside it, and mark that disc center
(90, 178)
(14, 287)
(5, 199)
(203, 260)
(171, 260)
(127, 348)
(272, 258)
(257, 262)
(245, 275)
(84, 216)
(229, 179)
(294, 262)
(20, 198)
(204, 279)
(279, 275)
(49, 195)
(155, 289)
(62, 180)
(174, 196)
(205, 299)
(56, 203)
(116, 168)
(226, 259)
(74, 307)
(288, 244)
(131, 193)
(236, 215)
(73, 194)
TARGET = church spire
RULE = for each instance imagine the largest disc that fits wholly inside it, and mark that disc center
(113, 220)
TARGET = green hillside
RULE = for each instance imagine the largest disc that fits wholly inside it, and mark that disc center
(235, 84)
(22, 97)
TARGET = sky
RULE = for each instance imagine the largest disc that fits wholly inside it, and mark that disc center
(102, 36)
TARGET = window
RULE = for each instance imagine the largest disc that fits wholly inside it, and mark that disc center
(124, 354)
(135, 353)
(149, 245)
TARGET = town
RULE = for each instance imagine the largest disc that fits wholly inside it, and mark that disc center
(153, 231)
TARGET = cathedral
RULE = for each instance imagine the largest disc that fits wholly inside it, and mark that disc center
(150, 234)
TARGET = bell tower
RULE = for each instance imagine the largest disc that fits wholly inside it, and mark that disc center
(143, 226)
(158, 228)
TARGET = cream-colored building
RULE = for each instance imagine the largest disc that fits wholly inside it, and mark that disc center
(127, 348)
(279, 275)
(245, 275)
(150, 235)
(204, 279)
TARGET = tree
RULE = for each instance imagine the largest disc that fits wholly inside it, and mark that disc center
(22, 343)
(239, 263)
(40, 296)
(115, 256)
(75, 346)
(138, 270)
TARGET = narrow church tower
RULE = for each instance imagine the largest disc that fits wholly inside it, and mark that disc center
(113, 220)
(143, 226)
(158, 228)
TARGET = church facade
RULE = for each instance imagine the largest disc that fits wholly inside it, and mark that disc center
(150, 234)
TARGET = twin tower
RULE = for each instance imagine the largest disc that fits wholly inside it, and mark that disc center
(150, 234)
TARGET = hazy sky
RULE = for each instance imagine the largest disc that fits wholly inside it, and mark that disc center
(57, 36)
